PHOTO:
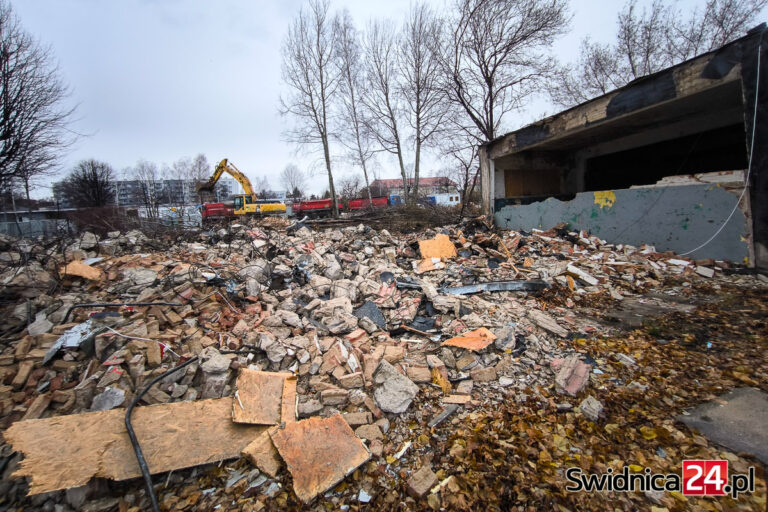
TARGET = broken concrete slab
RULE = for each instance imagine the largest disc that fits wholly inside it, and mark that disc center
(319, 453)
(67, 451)
(395, 391)
(547, 323)
(736, 420)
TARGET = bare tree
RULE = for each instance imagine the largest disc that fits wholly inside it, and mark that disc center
(382, 99)
(650, 40)
(90, 184)
(262, 188)
(201, 168)
(149, 187)
(420, 85)
(496, 54)
(349, 186)
(33, 118)
(710, 27)
(294, 180)
(309, 70)
(353, 132)
(460, 151)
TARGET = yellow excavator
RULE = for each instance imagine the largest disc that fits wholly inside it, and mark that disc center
(245, 204)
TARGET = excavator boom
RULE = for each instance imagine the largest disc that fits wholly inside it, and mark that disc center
(226, 166)
(246, 204)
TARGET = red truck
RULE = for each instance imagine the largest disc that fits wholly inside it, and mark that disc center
(315, 207)
(322, 207)
(362, 204)
(215, 211)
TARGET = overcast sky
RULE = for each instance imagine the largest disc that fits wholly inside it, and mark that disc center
(163, 79)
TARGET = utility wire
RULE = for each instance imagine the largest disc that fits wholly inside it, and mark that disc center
(751, 150)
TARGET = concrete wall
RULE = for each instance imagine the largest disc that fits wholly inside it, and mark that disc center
(34, 228)
(675, 218)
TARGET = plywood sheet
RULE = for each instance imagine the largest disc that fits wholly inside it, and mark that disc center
(80, 269)
(288, 406)
(67, 451)
(475, 340)
(259, 397)
(438, 247)
(319, 453)
(262, 454)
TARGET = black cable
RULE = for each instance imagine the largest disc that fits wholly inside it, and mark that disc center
(145, 473)
(135, 442)
(109, 304)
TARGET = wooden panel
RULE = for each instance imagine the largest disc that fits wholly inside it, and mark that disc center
(259, 397)
(67, 451)
(531, 182)
(319, 453)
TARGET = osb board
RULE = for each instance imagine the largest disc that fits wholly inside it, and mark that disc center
(319, 453)
(439, 247)
(259, 397)
(67, 451)
(475, 340)
(80, 269)
(262, 454)
(288, 406)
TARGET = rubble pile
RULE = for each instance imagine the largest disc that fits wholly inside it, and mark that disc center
(394, 334)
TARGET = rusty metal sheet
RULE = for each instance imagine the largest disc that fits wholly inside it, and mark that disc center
(319, 453)
(67, 451)
(258, 399)
(474, 340)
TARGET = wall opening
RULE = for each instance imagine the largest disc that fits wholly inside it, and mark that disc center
(721, 149)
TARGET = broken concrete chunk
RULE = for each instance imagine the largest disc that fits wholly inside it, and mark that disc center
(395, 391)
(572, 375)
(108, 399)
(584, 276)
(487, 374)
(369, 432)
(591, 408)
(547, 323)
(41, 325)
(213, 361)
(421, 482)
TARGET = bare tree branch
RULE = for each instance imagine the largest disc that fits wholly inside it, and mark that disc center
(310, 72)
(33, 119)
(650, 40)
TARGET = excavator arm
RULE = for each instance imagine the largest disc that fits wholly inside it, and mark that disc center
(226, 166)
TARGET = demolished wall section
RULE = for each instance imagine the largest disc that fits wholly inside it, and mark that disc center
(671, 218)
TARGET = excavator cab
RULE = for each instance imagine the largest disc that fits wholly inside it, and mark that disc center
(244, 205)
